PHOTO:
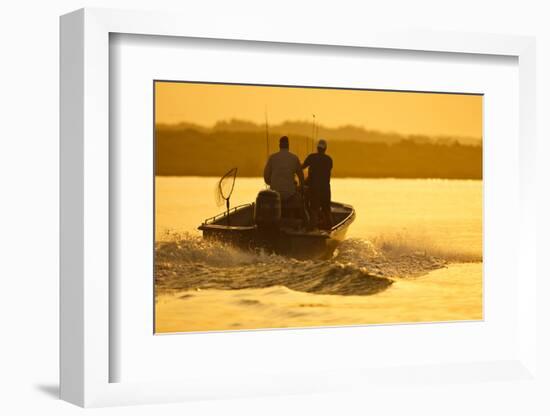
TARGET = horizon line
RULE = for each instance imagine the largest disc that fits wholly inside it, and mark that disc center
(342, 126)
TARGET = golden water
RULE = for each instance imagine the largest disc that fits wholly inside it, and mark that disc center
(407, 221)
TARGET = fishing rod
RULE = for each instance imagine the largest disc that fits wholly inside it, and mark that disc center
(313, 133)
(317, 131)
(266, 140)
(266, 135)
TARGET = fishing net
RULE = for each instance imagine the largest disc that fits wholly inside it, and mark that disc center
(225, 186)
(224, 189)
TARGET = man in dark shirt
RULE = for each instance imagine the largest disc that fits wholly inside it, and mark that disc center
(320, 166)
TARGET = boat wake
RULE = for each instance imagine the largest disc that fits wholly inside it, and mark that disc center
(358, 267)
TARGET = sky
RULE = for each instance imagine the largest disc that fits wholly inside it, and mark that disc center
(399, 112)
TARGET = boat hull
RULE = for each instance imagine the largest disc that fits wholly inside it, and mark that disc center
(297, 243)
(292, 245)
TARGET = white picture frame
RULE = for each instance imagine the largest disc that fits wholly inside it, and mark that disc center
(85, 220)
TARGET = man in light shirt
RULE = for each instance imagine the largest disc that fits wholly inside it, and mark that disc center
(280, 172)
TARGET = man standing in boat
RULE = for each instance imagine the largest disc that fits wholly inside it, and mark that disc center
(279, 174)
(318, 181)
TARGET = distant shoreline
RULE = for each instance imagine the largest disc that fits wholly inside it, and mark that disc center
(334, 177)
(191, 152)
(301, 128)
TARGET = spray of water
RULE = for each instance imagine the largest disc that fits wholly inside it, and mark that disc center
(358, 267)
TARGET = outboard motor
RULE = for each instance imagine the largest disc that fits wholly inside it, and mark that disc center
(267, 211)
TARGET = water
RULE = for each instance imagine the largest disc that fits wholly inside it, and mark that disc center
(413, 254)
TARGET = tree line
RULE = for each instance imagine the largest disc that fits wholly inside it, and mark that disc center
(190, 152)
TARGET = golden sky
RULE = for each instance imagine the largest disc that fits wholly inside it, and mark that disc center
(399, 112)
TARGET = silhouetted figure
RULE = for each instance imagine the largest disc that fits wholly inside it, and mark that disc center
(279, 173)
(320, 166)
